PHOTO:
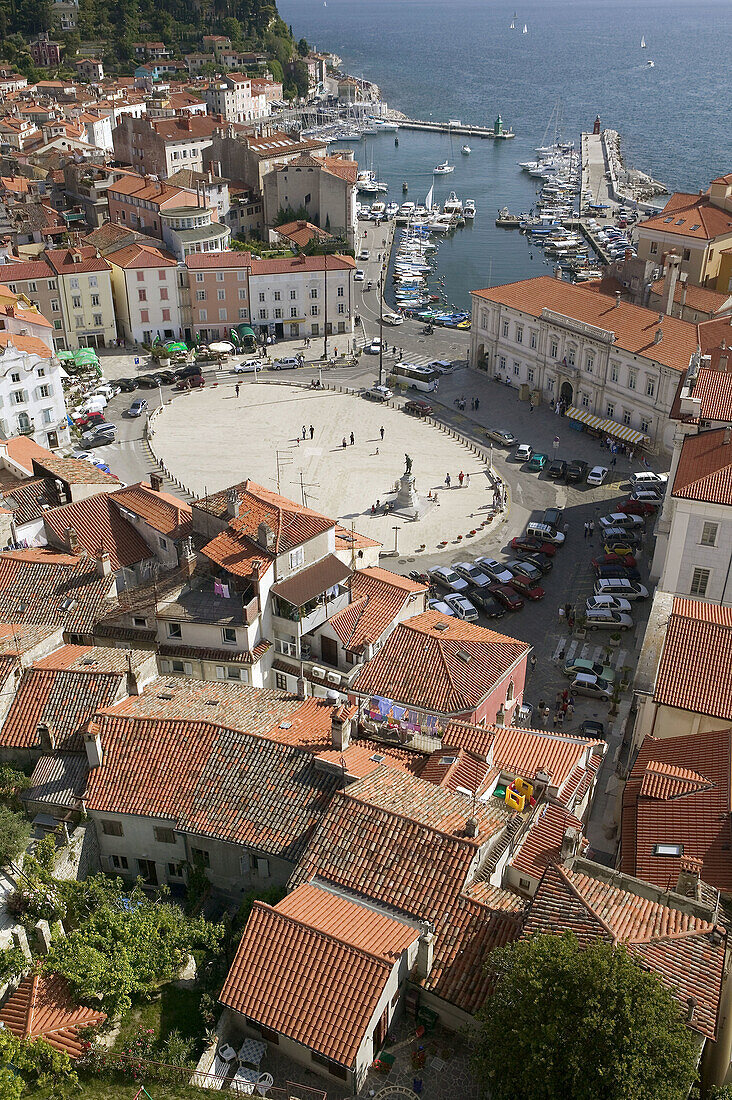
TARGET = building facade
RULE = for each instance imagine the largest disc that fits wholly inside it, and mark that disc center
(145, 293)
(31, 395)
(303, 296)
(696, 227)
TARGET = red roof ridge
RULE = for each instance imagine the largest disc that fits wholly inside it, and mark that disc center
(583, 901)
(323, 935)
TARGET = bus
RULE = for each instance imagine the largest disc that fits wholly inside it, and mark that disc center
(418, 378)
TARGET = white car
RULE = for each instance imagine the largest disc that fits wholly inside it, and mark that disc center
(374, 347)
(544, 532)
(85, 456)
(647, 479)
(363, 254)
(442, 606)
(379, 393)
(246, 366)
(621, 519)
(358, 275)
(597, 475)
(448, 578)
(444, 366)
(608, 603)
(605, 619)
(495, 569)
(462, 607)
(524, 452)
(393, 319)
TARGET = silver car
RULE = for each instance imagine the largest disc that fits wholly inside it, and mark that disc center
(448, 578)
(604, 619)
(462, 607)
(503, 439)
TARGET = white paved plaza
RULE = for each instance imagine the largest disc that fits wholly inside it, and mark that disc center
(210, 439)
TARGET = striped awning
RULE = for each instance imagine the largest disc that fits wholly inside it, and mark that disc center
(609, 427)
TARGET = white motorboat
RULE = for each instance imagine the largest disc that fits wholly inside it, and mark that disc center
(466, 150)
(378, 208)
(453, 205)
(385, 125)
(651, 64)
(392, 208)
(469, 209)
(443, 169)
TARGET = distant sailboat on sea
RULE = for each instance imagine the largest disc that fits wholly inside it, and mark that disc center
(513, 24)
(643, 42)
(525, 30)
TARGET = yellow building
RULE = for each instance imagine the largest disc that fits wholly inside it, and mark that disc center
(698, 228)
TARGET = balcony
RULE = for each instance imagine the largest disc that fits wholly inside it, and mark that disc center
(25, 426)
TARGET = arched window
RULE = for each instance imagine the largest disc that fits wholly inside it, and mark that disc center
(509, 693)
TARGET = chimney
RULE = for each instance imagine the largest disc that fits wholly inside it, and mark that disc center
(688, 882)
(300, 690)
(658, 336)
(726, 436)
(570, 841)
(187, 558)
(104, 565)
(471, 827)
(691, 1009)
(156, 483)
(617, 298)
(723, 364)
(72, 539)
(425, 951)
(45, 737)
(233, 504)
(628, 255)
(265, 536)
(93, 746)
(671, 274)
(340, 728)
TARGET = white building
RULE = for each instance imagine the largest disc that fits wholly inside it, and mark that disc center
(612, 365)
(304, 296)
(232, 97)
(145, 293)
(31, 395)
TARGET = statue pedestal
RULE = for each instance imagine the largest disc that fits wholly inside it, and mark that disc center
(407, 502)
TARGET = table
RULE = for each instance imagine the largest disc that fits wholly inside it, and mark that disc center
(244, 1080)
(252, 1051)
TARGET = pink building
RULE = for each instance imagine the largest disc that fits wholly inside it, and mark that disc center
(217, 297)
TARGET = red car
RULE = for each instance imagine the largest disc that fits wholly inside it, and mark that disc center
(615, 559)
(89, 420)
(506, 595)
(533, 546)
(527, 588)
(638, 507)
(193, 382)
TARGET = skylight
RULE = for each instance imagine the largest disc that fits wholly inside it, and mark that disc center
(668, 849)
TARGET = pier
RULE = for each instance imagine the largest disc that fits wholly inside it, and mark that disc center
(495, 133)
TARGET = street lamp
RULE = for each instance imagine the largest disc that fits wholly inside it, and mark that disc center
(396, 531)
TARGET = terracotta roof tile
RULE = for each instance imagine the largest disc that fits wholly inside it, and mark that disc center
(704, 471)
(58, 780)
(136, 256)
(633, 326)
(684, 951)
(695, 669)
(42, 1007)
(378, 597)
(692, 296)
(93, 658)
(693, 216)
(41, 586)
(238, 555)
(349, 920)
(63, 263)
(60, 699)
(161, 511)
(299, 264)
(679, 794)
(199, 261)
(75, 471)
(292, 524)
(352, 540)
(421, 664)
(542, 844)
(30, 344)
(99, 526)
(22, 449)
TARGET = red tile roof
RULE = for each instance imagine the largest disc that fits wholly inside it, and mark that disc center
(299, 264)
(60, 699)
(693, 216)
(93, 658)
(62, 260)
(378, 596)
(42, 1007)
(420, 664)
(695, 669)
(704, 472)
(161, 511)
(542, 844)
(351, 540)
(76, 471)
(306, 984)
(30, 344)
(25, 269)
(714, 390)
(292, 524)
(238, 555)
(693, 297)
(99, 526)
(43, 586)
(136, 256)
(349, 920)
(22, 449)
(154, 191)
(633, 326)
(678, 793)
(200, 261)
(684, 951)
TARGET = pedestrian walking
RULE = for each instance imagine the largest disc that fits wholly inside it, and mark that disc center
(532, 662)
(531, 406)
(569, 711)
(448, 481)
(630, 455)
(592, 527)
(567, 609)
(312, 431)
(558, 700)
(571, 621)
(236, 389)
(381, 431)
(353, 439)
(613, 462)
(461, 478)
(467, 481)
(565, 696)
(556, 718)
(477, 400)
(304, 431)
(401, 355)
(343, 443)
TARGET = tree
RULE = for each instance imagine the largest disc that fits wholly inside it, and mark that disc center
(14, 835)
(302, 47)
(585, 1023)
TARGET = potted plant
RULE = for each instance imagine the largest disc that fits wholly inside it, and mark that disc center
(625, 677)
(615, 639)
(614, 703)
(580, 626)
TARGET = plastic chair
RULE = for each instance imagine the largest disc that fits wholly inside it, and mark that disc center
(264, 1084)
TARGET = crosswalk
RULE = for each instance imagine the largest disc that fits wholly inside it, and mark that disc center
(391, 357)
(586, 651)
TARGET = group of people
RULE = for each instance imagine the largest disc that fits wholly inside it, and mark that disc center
(589, 528)
(464, 479)
(566, 614)
(563, 710)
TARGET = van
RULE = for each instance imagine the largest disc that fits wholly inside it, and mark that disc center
(586, 683)
(94, 404)
(620, 586)
(647, 477)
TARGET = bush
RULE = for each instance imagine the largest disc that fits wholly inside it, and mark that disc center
(38, 1062)
(14, 835)
(12, 964)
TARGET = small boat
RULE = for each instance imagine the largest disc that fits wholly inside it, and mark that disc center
(651, 64)
(466, 150)
(396, 141)
(443, 169)
(405, 187)
(525, 30)
(643, 42)
(469, 209)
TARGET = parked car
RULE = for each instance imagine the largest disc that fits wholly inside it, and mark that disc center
(88, 420)
(378, 393)
(138, 407)
(462, 607)
(608, 620)
(557, 468)
(166, 376)
(147, 381)
(509, 597)
(575, 665)
(621, 519)
(592, 729)
(610, 571)
(444, 366)
(594, 686)
(487, 603)
(537, 462)
(610, 603)
(105, 389)
(127, 385)
(553, 517)
(442, 606)
(518, 565)
(620, 549)
(417, 408)
(358, 275)
(98, 437)
(543, 562)
(472, 573)
(649, 495)
(495, 569)
(639, 507)
(524, 452)
(528, 588)
(645, 478)
(620, 534)
(615, 559)
(597, 475)
(503, 439)
(192, 382)
(532, 546)
(546, 533)
(287, 362)
(247, 366)
(188, 370)
(448, 578)
(577, 470)
(627, 587)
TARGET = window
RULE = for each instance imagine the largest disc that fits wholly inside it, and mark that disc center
(687, 253)
(516, 368)
(590, 363)
(112, 828)
(668, 850)
(202, 315)
(79, 321)
(174, 630)
(709, 534)
(97, 320)
(200, 295)
(223, 315)
(340, 292)
(341, 307)
(142, 295)
(243, 314)
(175, 870)
(57, 325)
(119, 863)
(219, 276)
(505, 329)
(570, 357)
(333, 1068)
(163, 294)
(93, 282)
(164, 836)
(76, 301)
(242, 295)
(293, 311)
(241, 276)
(55, 306)
(297, 557)
(610, 411)
(44, 391)
(17, 397)
(313, 311)
(201, 857)
(161, 276)
(74, 283)
(585, 401)
(199, 276)
(278, 314)
(519, 334)
(554, 349)
(654, 248)
(614, 372)
(650, 387)
(530, 374)
(314, 292)
(48, 416)
(15, 376)
(221, 295)
(502, 362)
(286, 643)
(138, 620)
(533, 340)
(626, 417)
(631, 379)
(277, 296)
(524, 884)
(261, 296)
(645, 425)
(140, 276)
(281, 681)
(263, 315)
(41, 372)
(228, 635)
(144, 316)
(95, 299)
